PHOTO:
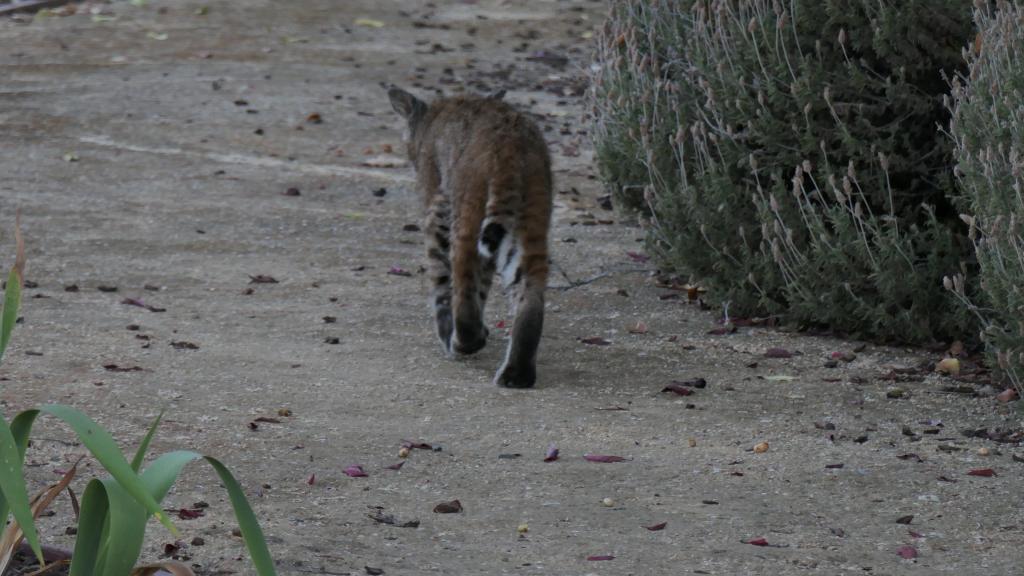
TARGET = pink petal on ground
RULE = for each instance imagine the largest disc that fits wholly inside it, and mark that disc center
(758, 542)
(678, 389)
(600, 558)
(638, 257)
(355, 471)
(656, 527)
(500, 324)
(983, 472)
(398, 271)
(907, 552)
(595, 341)
(915, 534)
(552, 454)
(778, 353)
(397, 466)
(1008, 395)
(602, 458)
(312, 479)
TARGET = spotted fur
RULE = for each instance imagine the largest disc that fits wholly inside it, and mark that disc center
(485, 174)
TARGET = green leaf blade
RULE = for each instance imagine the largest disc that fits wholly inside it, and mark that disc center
(12, 484)
(106, 451)
(252, 534)
(140, 454)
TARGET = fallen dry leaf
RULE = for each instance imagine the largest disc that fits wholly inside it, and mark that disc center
(262, 279)
(595, 341)
(397, 466)
(983, 472)
(187, 514)
(678, 389)
(416, 445)
(656, 527)
(138, 302)
(603, 458)
(778, 353)
(390, 520)
(907, 552)
(638, 257)
(398, 271)
(453, 507)
(600, 558)
(757, 542)
(116, 368)
(355, 471)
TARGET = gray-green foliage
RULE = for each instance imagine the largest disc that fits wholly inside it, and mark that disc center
(789, 154)
(988, 130)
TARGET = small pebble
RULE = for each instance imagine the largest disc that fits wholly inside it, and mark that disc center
(761, 448)
(403, 452)
(608, 502)
(522, 528)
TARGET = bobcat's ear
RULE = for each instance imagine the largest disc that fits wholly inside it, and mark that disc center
(496, 95)
(410, 107)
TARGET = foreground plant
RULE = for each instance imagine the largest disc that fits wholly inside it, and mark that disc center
(113, 511)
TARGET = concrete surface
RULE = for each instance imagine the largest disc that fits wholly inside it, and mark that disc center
(150, 146)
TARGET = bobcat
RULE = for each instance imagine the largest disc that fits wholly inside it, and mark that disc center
(485, 174)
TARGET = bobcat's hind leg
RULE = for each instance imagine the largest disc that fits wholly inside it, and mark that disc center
(524, 275)
(469, 291)
(438, 230)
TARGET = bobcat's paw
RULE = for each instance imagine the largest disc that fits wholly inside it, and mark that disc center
(473, 346)
(511, 376)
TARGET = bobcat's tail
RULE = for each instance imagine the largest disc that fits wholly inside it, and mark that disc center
(497, 237)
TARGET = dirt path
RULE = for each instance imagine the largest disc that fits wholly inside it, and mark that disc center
(154, 151)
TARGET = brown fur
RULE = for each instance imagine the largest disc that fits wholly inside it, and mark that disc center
(485, 174)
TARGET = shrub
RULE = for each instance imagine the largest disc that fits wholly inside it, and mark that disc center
(987, 128)
(790, 154)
